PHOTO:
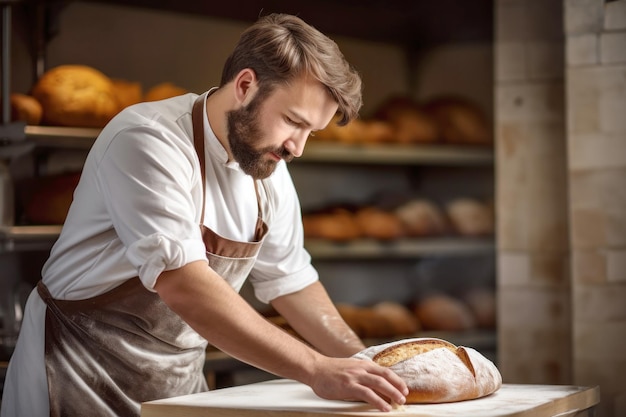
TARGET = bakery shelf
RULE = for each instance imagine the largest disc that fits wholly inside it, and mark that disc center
(402, 248)
(83, 138)
(398, 154)
(24, 238)
(61, 137)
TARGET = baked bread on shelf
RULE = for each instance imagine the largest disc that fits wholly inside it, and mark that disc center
(471, 217)
(409, 122)
(25, 108)
(437, 371)
(164, 90)
(77, 96)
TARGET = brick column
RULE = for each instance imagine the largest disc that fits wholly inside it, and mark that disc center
(596, 129)
(531, 191)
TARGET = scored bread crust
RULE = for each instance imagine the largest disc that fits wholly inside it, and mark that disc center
(437, 371)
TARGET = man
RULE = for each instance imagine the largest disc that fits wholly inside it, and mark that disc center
(178, 203)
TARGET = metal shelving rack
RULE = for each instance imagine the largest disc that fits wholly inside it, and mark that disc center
(316, 152)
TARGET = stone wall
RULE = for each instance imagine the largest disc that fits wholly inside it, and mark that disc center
(596, 135)
(561, 194)
(531, 188)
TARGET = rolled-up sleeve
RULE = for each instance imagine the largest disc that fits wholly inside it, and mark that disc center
(147, 178)
(283, 266)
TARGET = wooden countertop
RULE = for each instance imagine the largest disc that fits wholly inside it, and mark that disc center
(280, 398)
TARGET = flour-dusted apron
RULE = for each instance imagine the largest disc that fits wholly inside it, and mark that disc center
(107, 354)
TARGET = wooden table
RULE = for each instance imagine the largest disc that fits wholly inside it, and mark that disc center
(281, 398)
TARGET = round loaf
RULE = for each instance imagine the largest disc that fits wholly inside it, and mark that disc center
(422, 217)
(459, 120)
(471, 217)
(444, 312)
(163, 91)
(409, 122)
(76, 95)
(127, 92)
(378, 224)
(338, 225)
(25, 108)
(436, 371)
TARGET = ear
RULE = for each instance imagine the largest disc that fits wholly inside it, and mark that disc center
(246, 85)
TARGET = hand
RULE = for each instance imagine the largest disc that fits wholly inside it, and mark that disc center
(358, 379)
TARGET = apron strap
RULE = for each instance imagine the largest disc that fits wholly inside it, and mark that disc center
(198, 140)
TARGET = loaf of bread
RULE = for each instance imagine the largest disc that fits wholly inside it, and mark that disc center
(164, 90)
(471, 217)
(378, 224)
(127, 92)
(76, 95)
(48, 199)
(482, 303)
(444, 312)
(459, 120)
(338, 225)
(383, 320)
(436, 371)
(25, 108)
(409, 122)
(422, 217)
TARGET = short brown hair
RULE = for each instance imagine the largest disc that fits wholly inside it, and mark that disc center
(280, 47)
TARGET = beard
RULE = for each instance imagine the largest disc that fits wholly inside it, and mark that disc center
(243, 131)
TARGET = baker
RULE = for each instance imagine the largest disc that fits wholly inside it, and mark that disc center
(178, 203)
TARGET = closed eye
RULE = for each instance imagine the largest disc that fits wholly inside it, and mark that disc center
(292, 122)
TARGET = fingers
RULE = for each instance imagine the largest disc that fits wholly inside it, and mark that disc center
(384, 386)
(363, 381)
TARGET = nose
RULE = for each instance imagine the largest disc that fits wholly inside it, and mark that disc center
(295, 145)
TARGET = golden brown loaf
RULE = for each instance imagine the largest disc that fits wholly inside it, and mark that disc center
(127, 92)
(25, 108)
(378, 224)
(163, 91)
(409, 122)
(437, 371)
(338, 225)
(444, 312)
(76, 95)
(459, 120)
(385, 319)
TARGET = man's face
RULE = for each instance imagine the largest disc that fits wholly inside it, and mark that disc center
(276, 126)
(244, 131)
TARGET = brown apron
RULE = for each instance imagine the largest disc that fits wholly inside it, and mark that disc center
(107, 354)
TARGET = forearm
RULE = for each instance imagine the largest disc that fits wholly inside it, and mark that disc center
(312, 314)
(212, 308)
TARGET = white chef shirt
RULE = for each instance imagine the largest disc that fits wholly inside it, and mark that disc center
(136, 212)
